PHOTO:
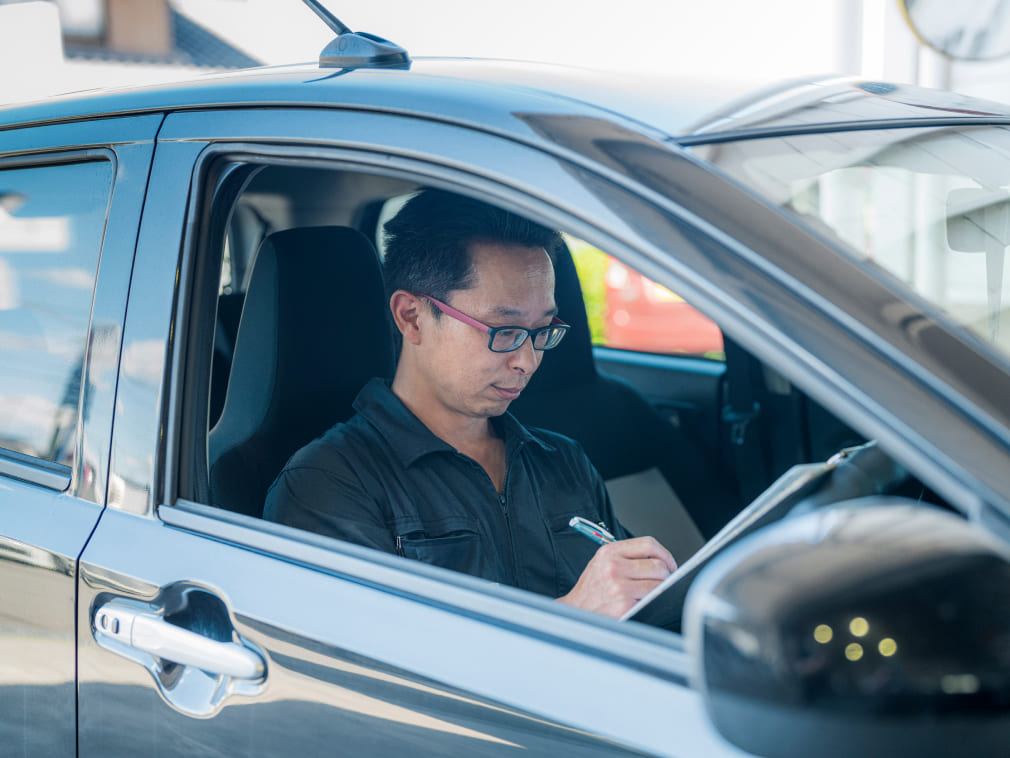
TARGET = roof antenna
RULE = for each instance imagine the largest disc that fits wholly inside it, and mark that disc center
(356, 49)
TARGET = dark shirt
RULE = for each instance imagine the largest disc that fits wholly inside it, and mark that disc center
(384, 480)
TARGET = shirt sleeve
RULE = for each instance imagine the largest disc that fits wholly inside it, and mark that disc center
(328, 502)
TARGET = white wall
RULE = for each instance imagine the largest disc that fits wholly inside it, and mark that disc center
(742, 43)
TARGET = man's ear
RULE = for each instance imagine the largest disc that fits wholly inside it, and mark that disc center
(406, 310)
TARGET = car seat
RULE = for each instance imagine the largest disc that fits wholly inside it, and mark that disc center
(313, 331)
(660, 482)
(229, 311)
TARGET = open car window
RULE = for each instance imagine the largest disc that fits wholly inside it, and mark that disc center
(660, 430)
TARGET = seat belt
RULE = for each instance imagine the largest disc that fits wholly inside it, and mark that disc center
(740, 413)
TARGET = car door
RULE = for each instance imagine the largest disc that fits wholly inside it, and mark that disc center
(203, 631)
(207, 631)
(70, 202)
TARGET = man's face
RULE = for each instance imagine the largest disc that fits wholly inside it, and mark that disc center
(514, 287)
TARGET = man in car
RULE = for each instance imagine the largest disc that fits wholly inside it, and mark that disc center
(432, 466)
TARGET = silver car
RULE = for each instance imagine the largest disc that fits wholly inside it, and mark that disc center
(188, 295)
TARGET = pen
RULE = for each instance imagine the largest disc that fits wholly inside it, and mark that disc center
(592, 531)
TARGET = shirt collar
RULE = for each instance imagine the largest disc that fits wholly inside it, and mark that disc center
(411, 439)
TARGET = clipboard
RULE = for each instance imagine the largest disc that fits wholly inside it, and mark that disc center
(664, 605)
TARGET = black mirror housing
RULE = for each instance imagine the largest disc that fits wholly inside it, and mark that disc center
(874, 628)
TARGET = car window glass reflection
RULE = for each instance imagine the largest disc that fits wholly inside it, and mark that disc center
(929, 206)
(52, 220)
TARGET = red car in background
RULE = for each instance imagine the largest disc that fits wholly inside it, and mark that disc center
(644, 316)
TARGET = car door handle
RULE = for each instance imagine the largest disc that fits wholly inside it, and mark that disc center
(154, 635)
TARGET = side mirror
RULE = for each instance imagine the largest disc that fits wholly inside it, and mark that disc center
(877, 627)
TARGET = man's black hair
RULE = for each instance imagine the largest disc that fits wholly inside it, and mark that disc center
(427, 242)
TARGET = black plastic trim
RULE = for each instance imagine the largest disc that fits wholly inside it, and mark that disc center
(737, 135)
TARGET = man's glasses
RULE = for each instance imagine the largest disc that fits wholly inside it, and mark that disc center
(505, 339)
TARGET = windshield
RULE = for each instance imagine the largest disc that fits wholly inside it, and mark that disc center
(929, 206)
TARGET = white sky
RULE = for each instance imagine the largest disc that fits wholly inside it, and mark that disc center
(725, 45)
(729, 39)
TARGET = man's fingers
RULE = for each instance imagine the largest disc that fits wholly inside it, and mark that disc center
(620, 567)
(657, 569)
(620, 574)
(644, 548)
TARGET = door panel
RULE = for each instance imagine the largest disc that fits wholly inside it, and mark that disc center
(66, 243)
(360, 667)
(41, 535)
(364, 652)
(688, 391)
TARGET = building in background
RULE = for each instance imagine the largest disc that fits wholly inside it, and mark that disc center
(66, 45)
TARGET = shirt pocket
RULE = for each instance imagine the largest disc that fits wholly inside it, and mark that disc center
(456, 546)
(572, 551)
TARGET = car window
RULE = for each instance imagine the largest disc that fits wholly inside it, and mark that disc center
(629, 311)
(625, 310)
(276, 376)
(928, 206)
(52, 220)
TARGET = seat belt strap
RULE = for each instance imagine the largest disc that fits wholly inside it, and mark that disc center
(740, 414)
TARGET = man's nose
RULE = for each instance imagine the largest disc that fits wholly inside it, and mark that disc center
(525, 358)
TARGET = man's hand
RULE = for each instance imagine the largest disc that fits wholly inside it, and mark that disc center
(619, 575)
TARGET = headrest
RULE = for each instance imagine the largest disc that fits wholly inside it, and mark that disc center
(572, 361)
(313, 331)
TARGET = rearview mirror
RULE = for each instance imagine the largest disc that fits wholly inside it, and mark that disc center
(978, 220)
(873, 628)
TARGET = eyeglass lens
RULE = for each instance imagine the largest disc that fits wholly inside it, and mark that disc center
(506, 340)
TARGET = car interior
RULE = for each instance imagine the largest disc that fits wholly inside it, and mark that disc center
(290, 272)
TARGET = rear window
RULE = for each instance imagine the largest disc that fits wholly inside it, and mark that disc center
(52, 221)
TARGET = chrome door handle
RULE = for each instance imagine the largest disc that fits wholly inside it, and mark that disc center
(151, 634)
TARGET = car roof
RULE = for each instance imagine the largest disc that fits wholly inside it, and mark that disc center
(464, 90)
(491, 93)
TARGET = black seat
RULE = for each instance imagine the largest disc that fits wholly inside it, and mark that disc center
(653, 471)
(229, 311)
(313, 331)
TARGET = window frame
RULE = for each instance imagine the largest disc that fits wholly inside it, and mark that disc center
(203, 220)
(29, 468)
(525, 613)
(689, 217)
(184, 503)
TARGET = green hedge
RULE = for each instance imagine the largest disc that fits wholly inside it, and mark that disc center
(591, 265)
